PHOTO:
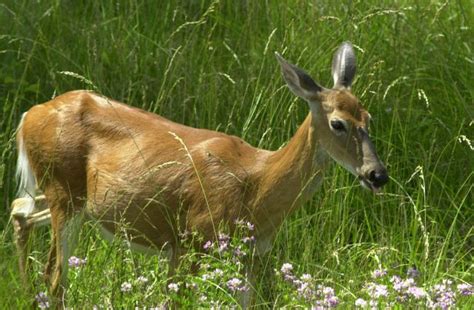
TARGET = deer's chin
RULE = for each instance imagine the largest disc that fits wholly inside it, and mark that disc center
(368, 185)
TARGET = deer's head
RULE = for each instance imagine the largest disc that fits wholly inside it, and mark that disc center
(340, 121)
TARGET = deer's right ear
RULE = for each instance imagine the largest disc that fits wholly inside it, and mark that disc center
(299, 82)
(344, 66)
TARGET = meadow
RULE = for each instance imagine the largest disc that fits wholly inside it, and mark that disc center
(211, 64)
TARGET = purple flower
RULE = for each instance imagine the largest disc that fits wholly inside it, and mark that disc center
(331, 301)
(465, 289)
(416, 292)
(443, 295)
(238, 252)
(378, 273)
(42, 300)
(413, 272)
(235, 285)
(126, 287)
(207, 245)
(173, 287)
(360, 303)
(377, 290)
(223, 242)
(76, 262)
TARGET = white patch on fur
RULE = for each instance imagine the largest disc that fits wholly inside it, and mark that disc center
(25, 176)
(136, 247)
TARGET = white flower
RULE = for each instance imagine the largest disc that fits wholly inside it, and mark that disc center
(126, 287)
(286, 268)
(173, 287)
(360, 303)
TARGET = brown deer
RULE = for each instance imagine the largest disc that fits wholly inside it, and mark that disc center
(94, 156)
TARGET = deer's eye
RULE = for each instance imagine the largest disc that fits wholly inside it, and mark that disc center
(338, 125)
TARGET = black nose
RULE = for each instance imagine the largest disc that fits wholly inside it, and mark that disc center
(378, 177)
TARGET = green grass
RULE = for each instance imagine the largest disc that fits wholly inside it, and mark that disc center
(211, 65)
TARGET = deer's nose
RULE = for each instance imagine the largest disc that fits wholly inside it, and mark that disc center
(378, 177)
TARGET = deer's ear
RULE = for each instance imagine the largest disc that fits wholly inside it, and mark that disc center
(344, 66)
(299, 82)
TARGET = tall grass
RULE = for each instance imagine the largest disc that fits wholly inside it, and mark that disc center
(210, 64)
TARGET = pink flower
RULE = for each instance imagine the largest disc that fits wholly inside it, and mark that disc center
(207, 245)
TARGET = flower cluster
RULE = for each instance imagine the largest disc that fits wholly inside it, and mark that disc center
(442, 296)
(76, 262)
(42, 300)
(318, 296)
(236, 285)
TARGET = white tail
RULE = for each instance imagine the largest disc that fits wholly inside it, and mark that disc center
(25, 176)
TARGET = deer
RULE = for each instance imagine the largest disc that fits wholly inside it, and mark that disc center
(96, 158)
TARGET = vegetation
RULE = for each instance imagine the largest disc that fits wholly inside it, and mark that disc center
(210, 64)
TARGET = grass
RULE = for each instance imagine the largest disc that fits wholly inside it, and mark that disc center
(210, 64)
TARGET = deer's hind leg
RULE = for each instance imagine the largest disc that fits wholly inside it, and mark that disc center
(27, 214)
(66, 222)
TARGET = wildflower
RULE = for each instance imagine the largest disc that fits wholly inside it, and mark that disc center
(373, 304)
(235, 284)
(76, 262)
(173, 287)
(360, 303)
(238, 252)
(42, 300)
(377, 290)
(306, 277)
(378, 273)
(416, 292)
(328, 291)
(443, 295)
(248, 239)
(465, 289)
(250, 226)
(413, 272)
(286, 268)
(218, 272)
(207, 245)
(304, 290)
(192, 286)
(184, 234)
(142, 280)
(331, 301)
(223, 242)
(126, 287)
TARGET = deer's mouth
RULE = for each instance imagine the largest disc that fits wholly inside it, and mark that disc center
(369, 185)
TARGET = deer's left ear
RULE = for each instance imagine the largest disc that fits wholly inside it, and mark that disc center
(344, 66)
(299, 82)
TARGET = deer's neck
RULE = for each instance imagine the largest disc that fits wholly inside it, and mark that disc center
(291, 175)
